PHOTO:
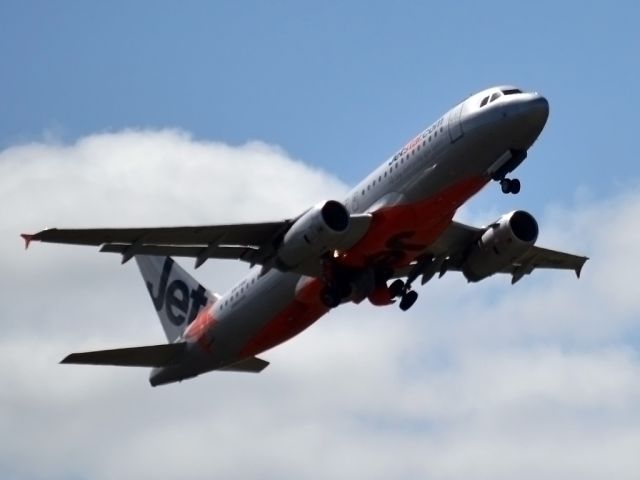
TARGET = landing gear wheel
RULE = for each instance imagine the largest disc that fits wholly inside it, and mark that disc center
(329, 297)
(510, 185)
(396, 288)
(408, 299)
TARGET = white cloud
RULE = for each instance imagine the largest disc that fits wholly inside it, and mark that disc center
(484, 381)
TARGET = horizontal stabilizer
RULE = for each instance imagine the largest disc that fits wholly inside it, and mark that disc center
(149, 356)
(253, 365)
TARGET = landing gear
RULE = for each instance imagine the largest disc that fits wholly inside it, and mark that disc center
(510, 185)
(408, 299)
(332, 294)
(396, 288)
(403, 290)
(505, 164)
(330, 297)
(356, 285)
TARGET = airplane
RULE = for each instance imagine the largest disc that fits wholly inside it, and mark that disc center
(393, 228)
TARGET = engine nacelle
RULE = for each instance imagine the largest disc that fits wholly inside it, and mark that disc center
(317, 231)
(500, 245)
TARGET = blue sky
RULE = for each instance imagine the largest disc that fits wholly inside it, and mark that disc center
(338, 84)
(154, 112)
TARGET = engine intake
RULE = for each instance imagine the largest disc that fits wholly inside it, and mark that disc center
(523, 226)
(335, 216)
(510, 237)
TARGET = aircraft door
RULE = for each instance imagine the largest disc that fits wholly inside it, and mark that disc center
(455, 124)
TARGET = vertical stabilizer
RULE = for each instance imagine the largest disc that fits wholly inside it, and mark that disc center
(176, 295)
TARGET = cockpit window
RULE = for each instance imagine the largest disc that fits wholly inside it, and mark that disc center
(511, 91)
(484, 101)
(494, 96)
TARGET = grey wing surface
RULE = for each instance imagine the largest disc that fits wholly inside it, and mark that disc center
(538, 257)
(251, 242)
(450, 249)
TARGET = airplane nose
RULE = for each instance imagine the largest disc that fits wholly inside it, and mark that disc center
(541, 106)
(538, 110)
(523, 118)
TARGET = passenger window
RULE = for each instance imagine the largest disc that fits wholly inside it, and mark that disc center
(484, 101)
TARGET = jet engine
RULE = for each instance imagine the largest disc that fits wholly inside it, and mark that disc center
(317, 231)
(510, 237)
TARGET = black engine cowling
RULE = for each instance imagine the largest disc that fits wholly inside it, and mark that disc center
(510, 237)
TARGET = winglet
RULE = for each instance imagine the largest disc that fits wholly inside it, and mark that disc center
(578, 269)
(27, 239)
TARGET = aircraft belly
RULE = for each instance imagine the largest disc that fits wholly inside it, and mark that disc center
(399, 233)
(243, 330)
(196, 361)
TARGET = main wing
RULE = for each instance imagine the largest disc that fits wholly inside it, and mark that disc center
(447, 252)
(251, 242)
(538, 257)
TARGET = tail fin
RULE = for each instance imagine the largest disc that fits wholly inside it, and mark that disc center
(176, 295)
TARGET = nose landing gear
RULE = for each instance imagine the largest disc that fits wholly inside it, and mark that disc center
(506, 163)
(509, 185)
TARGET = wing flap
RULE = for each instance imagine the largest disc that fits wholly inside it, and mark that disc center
(220, 252)
(147, 356)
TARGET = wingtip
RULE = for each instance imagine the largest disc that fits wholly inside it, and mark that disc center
(72, 359)
(27, 237)
(578, 269)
